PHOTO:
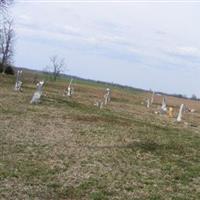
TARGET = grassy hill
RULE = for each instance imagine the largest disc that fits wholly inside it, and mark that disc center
(69, 149)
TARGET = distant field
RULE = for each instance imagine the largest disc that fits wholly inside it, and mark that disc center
(68, 149)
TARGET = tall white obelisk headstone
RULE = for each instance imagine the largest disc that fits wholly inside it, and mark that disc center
(179, 118)
(70, 89)
(152, 97)
(18, 83)
(164, 105)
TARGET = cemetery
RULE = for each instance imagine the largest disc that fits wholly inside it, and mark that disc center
(66, 133)
(101, 143)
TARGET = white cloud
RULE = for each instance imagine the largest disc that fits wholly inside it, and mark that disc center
(188, 51)
(160, 36)
(185, 51)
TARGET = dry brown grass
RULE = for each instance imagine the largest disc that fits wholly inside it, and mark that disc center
(68, 149)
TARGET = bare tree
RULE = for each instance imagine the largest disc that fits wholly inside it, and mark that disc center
(194, 97)
(6, 42)
(56, 66)
(5, 3)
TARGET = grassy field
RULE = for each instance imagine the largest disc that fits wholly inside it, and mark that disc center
(68, 149)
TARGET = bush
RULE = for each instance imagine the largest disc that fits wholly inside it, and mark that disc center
(9, 70)
(194, 97)
(1, 68)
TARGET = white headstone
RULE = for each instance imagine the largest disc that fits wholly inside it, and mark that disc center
(38, 93)
(164, 105)
(179, 118)
(18, 84)
(152, 97)
(192, 110)
(107, 96)
(99, 104)
(70, 89)
(148, 103)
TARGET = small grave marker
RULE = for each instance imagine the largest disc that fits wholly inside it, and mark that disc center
(148, 103)
(99, 104)
(107, 96)
(38, 93)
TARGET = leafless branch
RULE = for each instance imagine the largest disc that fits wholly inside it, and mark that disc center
(6, 42)
(57, 66)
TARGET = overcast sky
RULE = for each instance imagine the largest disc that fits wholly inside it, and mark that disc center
(146, 45)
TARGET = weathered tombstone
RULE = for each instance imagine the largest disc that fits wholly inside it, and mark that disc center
(192, 110)
(107, 96)
(170, 113)
(179, 118)
(152, 97)
(69, 90)
(38, 93)
(186, 108)
(148, 103)
(18, 84)
(99, 104)
(164, 105)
